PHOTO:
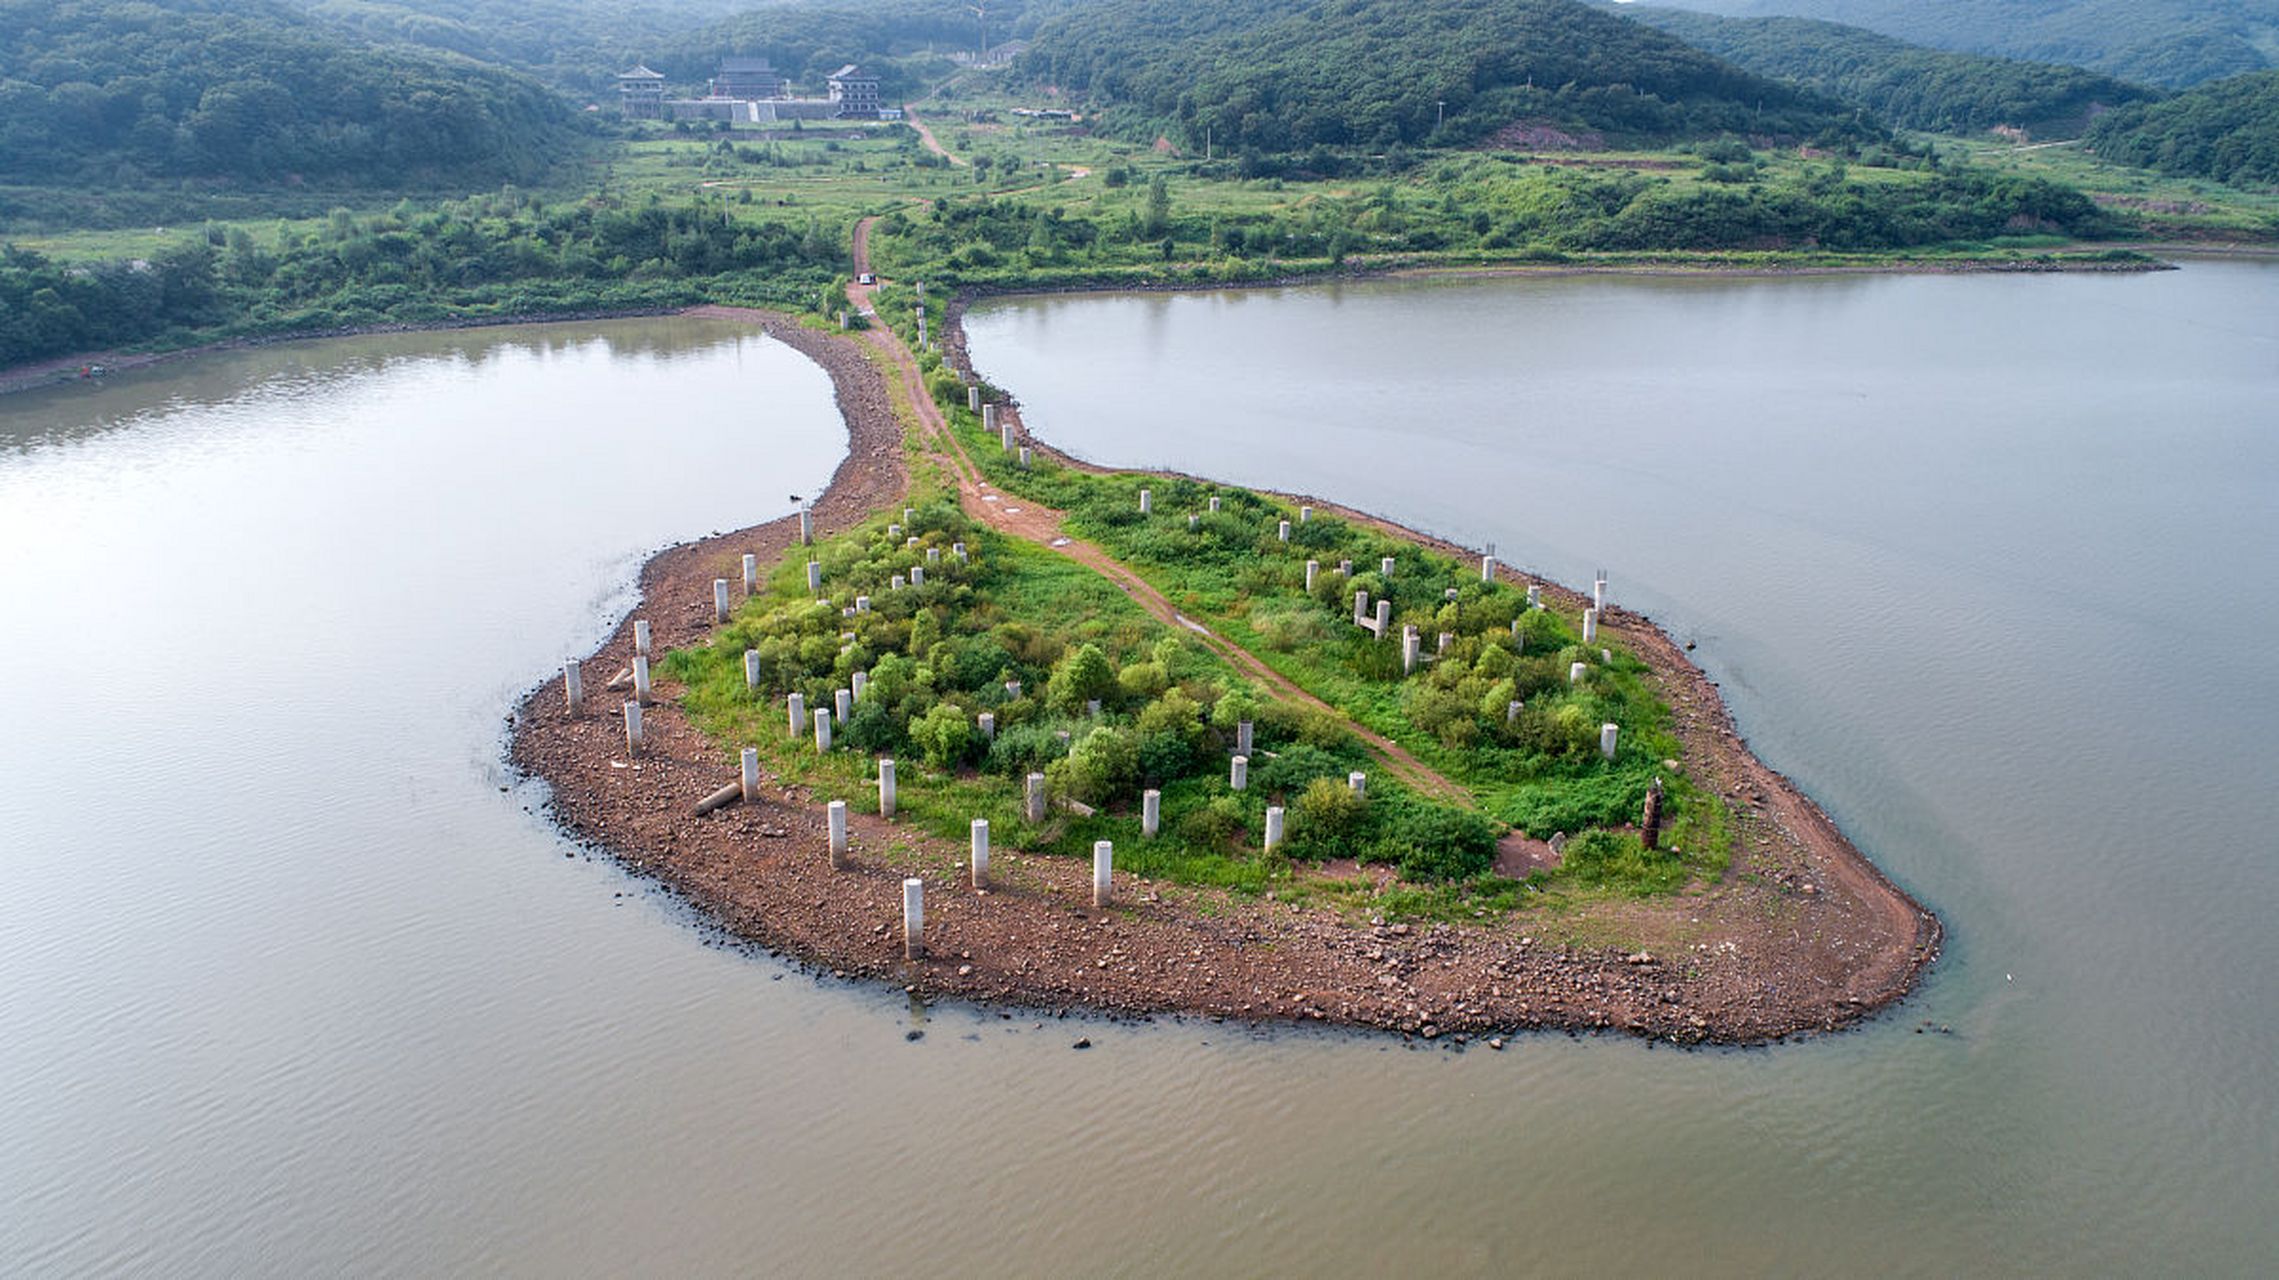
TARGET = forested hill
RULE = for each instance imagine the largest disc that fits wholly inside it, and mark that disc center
(2228, 131)
(2163, 42)
(114, 92)
(1908, 85)
(1283, 75)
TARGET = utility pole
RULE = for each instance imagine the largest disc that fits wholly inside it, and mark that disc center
(1439, 114)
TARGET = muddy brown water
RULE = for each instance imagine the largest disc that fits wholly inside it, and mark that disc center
(293, 979)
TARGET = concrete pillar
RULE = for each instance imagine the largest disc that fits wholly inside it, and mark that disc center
(1214, 502)
(1273, 839)
(1590, 626)
(913, 907)
(843, 704)
(1384, 618)
(641, 690)
(1147, 501)
(814, 576)
(750, 779)
(958, 549)
(1535, 597)
(1447, 638)
(751, 575)
(1512, 710)
(909, 516)
(1345, 567)
(1487, 568)
(751, 668)
(1151, 813)
(988, 724)
(862, 604)
(1025, 459)
(973, 399)
(806, 527)
(1092, 708)
(921, 328)
(838, 820)
(822, 733)
(989, 417)
(1005, 437)
(1242, 737)
(1575, 672)
(886, 788)
(1385, 566)
(858, 684)
(1282, 530)
(1305, 514)
(917, 575)
(1361, 608)
(1358, 784)
(1012, 688)
(1193, 522)
(640, 635)
(1598, 591)
(896, 583)
(1313, 570)
(1408, 650)
(1034, 797)
(1238, 775)
(933, 555)
(1103, 871)
(1607, 733)
(910, 541)
(633, 728)
(981, 853)
(573, 686)
(796, 705)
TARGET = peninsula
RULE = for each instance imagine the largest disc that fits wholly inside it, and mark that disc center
(1339, 771)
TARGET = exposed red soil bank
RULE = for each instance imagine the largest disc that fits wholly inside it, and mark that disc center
(1801, 935)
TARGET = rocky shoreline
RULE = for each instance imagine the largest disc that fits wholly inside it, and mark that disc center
(1803, 934)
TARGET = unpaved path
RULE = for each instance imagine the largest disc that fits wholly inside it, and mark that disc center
(926, 137)
(1034, 522)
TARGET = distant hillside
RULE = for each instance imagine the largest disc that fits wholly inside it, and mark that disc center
(2164, 42)
(112, 92)
(1282, 75)
(1910, 86)
(2228, 131)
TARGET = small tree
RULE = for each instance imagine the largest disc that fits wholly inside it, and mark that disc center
(944, 735)
(1081, 677)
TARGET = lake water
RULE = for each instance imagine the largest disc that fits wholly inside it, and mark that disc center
(293, 980)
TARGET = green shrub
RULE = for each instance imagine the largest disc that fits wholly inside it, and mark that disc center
(1215, 825)
(1103, 767)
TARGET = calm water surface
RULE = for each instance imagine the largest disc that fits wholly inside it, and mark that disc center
(293, 980)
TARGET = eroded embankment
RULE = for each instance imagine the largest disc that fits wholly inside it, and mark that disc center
(1801, 935)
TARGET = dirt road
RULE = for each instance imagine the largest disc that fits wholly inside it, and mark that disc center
(1042, 525)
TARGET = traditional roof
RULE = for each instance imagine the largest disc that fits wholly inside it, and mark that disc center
(851, 71)
(639, 73)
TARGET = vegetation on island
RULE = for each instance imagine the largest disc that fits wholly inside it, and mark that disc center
(1105, 701)
(2227, 131)
(1908, 86)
